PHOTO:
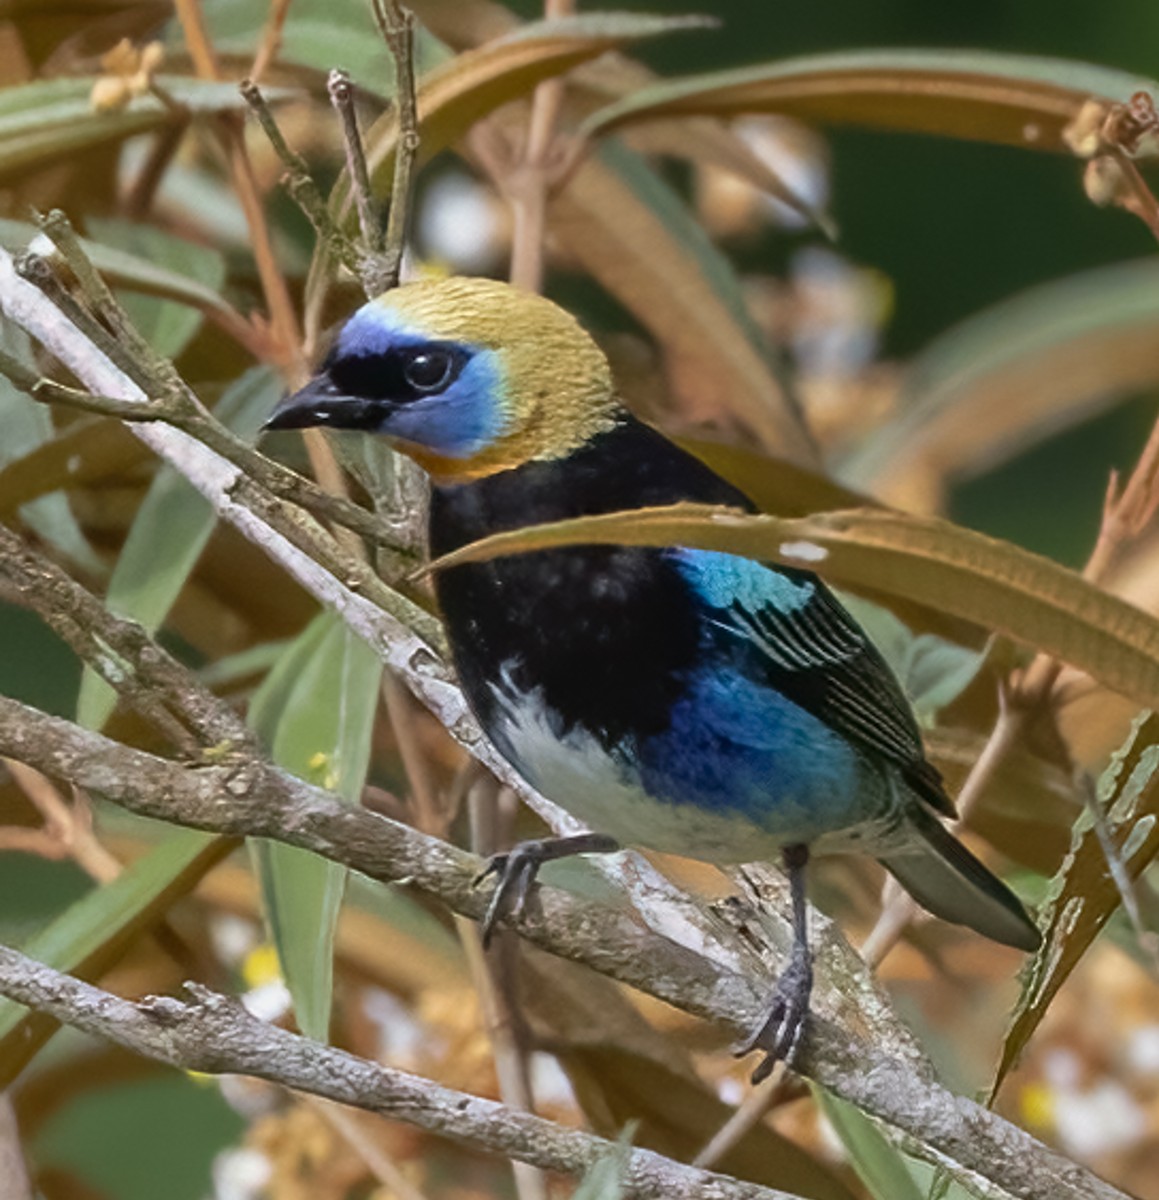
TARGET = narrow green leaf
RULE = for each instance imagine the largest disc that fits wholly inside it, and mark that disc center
(317, 34)
(605, 1179)
(316, 710)
(879, 1166)
(1020, 99)
(27, 426)
(49, 120)
(167, 326)
(132, 272)
(167, 536)
(1083, 895)
(991, 583)
(89, 937)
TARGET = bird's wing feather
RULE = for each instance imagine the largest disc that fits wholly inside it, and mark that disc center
(814, 653)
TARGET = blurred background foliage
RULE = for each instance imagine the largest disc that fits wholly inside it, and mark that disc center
(968, 346)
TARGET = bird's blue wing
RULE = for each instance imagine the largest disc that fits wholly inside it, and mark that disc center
(786, 629)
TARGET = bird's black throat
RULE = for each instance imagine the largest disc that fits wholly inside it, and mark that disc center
(604, 632)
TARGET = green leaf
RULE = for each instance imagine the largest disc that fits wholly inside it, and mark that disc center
(49, 120)
(991, 583)
(136, 274)
(316, 710)
(317, 34)
(90, 936)
(932, 671)
(1018, 99)
(605, 1179)
(1082, 896)
(167, 326)
(27, 426)
(167, 536)
(1018, 372)
(879, 1166)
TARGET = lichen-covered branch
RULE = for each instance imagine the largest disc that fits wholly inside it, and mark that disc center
(850, 1050)
(216, 1035)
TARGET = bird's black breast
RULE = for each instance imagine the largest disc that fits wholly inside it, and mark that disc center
(605, 633)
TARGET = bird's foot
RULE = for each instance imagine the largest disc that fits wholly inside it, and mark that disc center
(518, 868)
(782, 1025)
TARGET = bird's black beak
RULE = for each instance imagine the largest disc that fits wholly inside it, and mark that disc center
(321, 402)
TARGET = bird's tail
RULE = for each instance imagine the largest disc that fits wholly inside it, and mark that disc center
(944, 877)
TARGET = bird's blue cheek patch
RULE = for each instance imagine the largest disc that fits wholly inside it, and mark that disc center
(722, 580)
(469, 416)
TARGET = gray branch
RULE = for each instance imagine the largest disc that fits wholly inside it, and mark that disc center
(216, 1035)
(666, 943)
(849, 1049)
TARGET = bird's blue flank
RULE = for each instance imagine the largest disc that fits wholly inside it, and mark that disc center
(456, 423)
(722, 580)
(735, 745)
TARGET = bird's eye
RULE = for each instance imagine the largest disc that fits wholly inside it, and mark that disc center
(429, 370)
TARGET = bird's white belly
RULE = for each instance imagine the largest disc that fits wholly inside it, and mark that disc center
(580, 776)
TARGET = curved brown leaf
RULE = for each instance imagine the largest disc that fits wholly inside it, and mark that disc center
(1017, 99)
(1083, 894)
(969, 575)
(1018, 372)
(631, 233)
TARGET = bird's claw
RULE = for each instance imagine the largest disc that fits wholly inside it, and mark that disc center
(781, 1029)
(516, 871)
(518, 868)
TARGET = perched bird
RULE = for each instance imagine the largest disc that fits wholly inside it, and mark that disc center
(681, 700)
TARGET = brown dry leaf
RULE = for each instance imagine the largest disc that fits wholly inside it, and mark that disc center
(1083, 894)
(87, 452)
(1016, 374)
(984, 580)
(1017, 99)
(628, 231)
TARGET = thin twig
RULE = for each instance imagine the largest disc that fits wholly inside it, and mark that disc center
(341, 92)
(494, 978)
(749, 1114)
(398, 25)
(271, 41)
(349, 1127)
(426, 811)
(529, 180)
(283, 321)
(15, 1183)
(68, 824)
(300, 183)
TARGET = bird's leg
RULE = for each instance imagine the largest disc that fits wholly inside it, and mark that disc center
(780, 1028)
(518, 868)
